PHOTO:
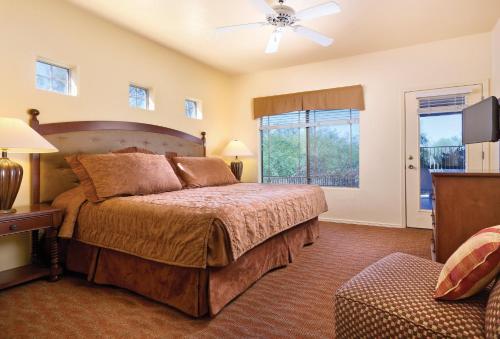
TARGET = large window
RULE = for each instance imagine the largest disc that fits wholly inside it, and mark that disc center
(53, 78)
(311, 147)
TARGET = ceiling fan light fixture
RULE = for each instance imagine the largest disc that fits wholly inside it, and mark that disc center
(281, 17)
(274, 41)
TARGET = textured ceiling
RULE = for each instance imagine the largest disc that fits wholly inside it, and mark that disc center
(362, 26)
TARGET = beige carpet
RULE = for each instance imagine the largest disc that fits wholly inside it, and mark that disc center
(296, 301)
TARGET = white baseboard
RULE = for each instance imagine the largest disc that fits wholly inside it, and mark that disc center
(360, 222)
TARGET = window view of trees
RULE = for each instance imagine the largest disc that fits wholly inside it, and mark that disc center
(192, 109)
(316, 147)
(284, 153)
(441, 142)
(334, 155)
(138, 97)
(52, 78)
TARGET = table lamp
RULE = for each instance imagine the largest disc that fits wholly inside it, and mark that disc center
(236, 148)
(16, 137)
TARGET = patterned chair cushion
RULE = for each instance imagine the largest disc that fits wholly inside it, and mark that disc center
(492, 321)
(394, 298)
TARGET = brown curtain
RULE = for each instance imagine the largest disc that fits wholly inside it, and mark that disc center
(350, 97)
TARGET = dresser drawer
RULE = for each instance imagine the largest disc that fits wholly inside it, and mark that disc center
(26, 224)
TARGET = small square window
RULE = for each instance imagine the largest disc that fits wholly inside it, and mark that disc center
(138, 97)
(193, 109)
(53, 78)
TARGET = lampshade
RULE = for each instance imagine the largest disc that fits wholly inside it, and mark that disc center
(16, 136)
(236, 148)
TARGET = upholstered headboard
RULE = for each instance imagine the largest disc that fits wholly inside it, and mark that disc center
(51, 175)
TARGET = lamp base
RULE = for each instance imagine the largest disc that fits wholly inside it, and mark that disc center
(237, 169)
(12, 210)
(11, 175)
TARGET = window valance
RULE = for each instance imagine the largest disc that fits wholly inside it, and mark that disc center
(350, 97)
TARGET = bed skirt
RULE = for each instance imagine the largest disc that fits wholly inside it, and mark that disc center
(194, 291)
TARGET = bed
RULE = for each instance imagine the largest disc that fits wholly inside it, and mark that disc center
(194, 249)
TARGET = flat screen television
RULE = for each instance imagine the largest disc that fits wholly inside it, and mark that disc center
(480, 122)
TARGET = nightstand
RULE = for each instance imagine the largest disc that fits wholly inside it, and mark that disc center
(32, 219)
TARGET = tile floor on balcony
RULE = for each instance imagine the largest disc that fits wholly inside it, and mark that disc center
(425, 202)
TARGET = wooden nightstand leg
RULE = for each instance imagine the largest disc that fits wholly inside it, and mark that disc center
(34, 247)
(55, 270)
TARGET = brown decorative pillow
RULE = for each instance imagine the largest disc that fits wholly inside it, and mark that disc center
(170, 154)
(124, 174)
(202, 172)
(170, 158)
(85, 182)
(87, 186)
(134, 149)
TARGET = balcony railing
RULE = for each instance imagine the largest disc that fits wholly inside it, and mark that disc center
(442, 157)
(431, 159)
(347, 179)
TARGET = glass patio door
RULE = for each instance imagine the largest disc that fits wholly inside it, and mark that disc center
(434, 143)
(441, 149)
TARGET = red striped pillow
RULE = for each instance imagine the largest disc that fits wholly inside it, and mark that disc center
(471, 267)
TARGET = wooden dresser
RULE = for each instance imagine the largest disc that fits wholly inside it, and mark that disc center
(463, 203)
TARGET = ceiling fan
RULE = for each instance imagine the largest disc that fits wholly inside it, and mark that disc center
(285, 18)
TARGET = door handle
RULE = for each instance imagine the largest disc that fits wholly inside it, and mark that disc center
(411, 167)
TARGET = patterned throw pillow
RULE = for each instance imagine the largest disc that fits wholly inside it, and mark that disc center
(471, 267)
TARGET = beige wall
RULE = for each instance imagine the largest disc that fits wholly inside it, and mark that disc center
(384, 75)
(495, 38)
(106, 59)
(495, 83)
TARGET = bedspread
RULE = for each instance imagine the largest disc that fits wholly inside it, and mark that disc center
(175, 227)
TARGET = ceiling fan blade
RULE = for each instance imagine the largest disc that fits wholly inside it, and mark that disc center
(263, 6)
(327, 8)
(232, 28)
(318, 38)
(274, 42)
